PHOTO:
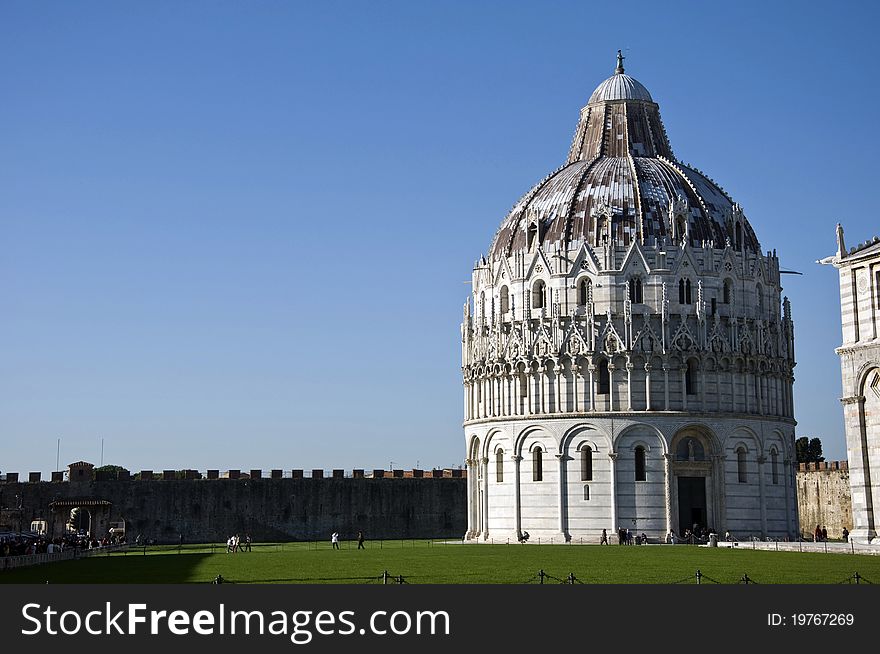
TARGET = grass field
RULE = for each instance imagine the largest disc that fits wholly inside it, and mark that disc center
(422, 562)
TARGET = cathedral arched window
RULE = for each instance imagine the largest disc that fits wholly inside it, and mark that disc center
(635, 290)
(728, 291)
(737, 236)
(537, 464)
(584, 291)
(533, 237)
(690, 377)
(499, 466)
(681, 227)
(774, 465)
(539, 292)
(684, 291)
(741, 469)
(586, 464)
(504, 300)
(604, 385)
(641, 474)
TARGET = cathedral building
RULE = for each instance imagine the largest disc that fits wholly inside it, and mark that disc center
(627, 357)
(859, 270)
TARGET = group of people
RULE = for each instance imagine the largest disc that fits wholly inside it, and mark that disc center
(625, 537)
(26, 544)
(237, 544)
(334, 540)
(820, 534)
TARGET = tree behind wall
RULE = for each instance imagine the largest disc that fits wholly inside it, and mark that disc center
(809, 450)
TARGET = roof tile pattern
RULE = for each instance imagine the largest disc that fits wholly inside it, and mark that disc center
(619, 184)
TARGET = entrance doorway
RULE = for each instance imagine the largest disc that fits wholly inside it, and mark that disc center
(691, 503)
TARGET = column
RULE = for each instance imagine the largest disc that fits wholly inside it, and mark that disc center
(746, 394)
(471, 481)
(485, 521)
(683, 376)
(702, 381)
(611, 370)
(613, 457)
(629, 394)
(759, 385)
(517, 509)
(732, 389)
(786, 472)
(576, 398)
(665, 387)
(720, 492)
(592, 368)
(647, 387)
(542, 379)
(667, 466)
(761, 460)
(563, 505)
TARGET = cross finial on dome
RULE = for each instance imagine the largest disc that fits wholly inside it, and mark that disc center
(620, 59)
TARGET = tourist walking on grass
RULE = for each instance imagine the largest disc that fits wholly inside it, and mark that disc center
(361, 541)
(334, 540)
(604, 540)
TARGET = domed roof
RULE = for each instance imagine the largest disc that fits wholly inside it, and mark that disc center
(620, 87)
(622, 183)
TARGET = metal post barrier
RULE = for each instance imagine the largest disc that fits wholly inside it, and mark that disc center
(541, 574)
(825, 543)
(385, 578)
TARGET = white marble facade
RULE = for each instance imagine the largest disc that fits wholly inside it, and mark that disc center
(626, 353)
(859, 272)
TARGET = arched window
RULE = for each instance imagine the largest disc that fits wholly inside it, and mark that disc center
(586, 464)
(539, 291)
(728, 291)
(533, 237)
(604, 378)
(635, 290)
(684, 291)
(741, 464)
(586, 492)
(681, 227)
(737, 236)
(499, 466)
(690, 377)
(774, 465)
(640, 464)
(584, 291)
(537, 464)
(505, 300)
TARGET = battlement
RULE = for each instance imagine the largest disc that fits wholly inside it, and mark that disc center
(823, 466)
(84, 472)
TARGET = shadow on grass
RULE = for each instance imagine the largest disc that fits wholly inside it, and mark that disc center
(133, 568)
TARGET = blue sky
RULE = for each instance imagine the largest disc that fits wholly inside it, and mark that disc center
(235, 235)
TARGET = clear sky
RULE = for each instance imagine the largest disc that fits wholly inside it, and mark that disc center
(235, 235)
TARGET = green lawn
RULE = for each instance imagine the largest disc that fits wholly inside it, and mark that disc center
(420, 562)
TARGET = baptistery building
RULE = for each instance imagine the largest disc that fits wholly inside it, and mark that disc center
(627, 356)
